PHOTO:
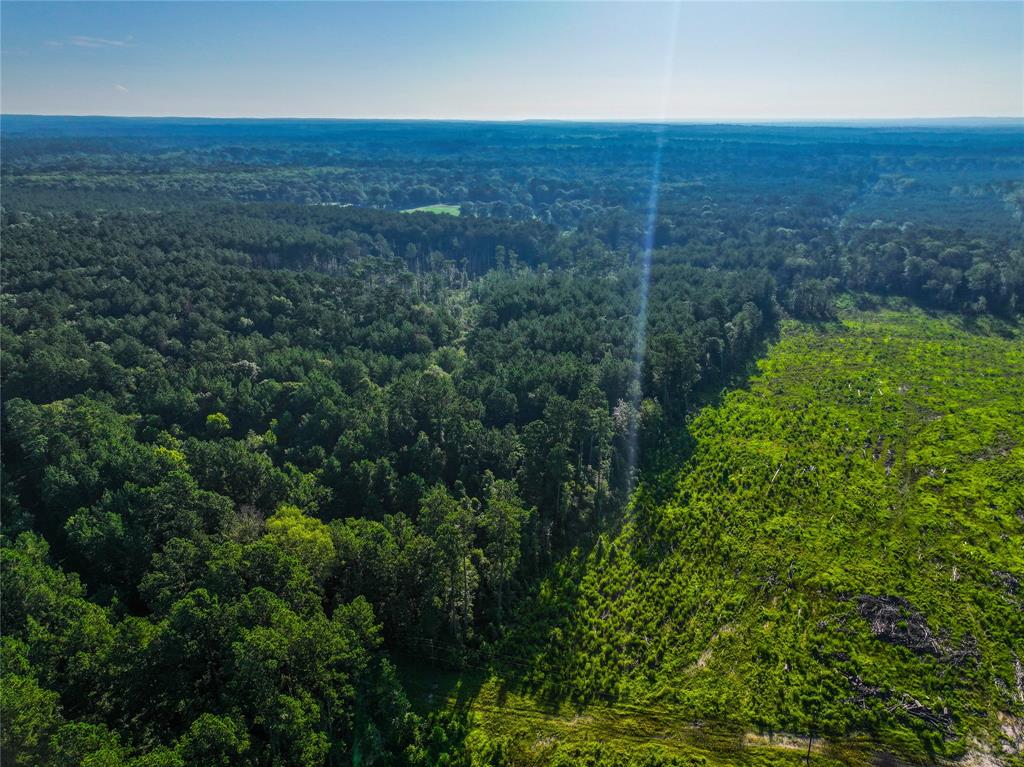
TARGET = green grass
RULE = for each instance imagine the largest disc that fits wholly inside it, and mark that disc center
(441, 208)
(514, 728)
(880, 457)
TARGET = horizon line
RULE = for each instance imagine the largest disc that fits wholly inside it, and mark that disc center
(567, 120)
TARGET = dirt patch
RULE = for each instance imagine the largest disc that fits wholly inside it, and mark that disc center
(896, 621)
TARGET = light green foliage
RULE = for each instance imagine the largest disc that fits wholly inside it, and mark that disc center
(303, 536)
(485, 722)
(441, 208)
(30, 713)
(214, 740)
(217, 424)
(225, 657)
(882, 458)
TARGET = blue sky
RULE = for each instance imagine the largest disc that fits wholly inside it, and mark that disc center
(490, 60)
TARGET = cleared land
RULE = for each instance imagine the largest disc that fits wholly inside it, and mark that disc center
(841, 554)
(443, 209)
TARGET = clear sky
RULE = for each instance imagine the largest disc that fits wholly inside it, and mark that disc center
(490, 60)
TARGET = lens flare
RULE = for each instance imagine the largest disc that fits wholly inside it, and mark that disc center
(646, 256)
(640, 349)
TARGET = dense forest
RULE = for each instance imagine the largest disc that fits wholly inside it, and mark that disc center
(271, 437)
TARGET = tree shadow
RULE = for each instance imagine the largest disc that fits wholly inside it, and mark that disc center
(534, 656)
(432, 684)
(988, 326)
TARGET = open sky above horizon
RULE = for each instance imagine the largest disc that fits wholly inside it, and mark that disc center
(517, 60)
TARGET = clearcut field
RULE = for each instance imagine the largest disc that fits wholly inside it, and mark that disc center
(840, 554)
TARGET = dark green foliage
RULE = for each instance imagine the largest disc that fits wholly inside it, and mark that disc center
(262, 432)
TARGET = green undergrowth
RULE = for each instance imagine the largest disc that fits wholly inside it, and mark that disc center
(842, 556)
(486, 723)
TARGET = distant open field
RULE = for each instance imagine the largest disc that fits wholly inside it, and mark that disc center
(442, 208)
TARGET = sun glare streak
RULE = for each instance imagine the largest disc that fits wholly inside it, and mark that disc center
(640, 350)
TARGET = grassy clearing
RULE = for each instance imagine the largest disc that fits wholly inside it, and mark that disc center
(843, 555)
(442, 209)
(509, 728)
